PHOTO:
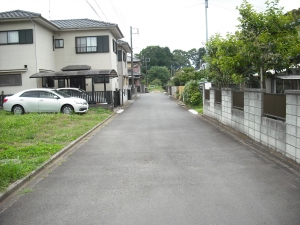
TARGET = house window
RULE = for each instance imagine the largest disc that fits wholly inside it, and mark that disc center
(114, 46)
(48, 82)
(92, 44)
(16, 37)
(59, 43)
(61, 83)
(101, 80)
(10, 80)
(124, 57)
(119, 55)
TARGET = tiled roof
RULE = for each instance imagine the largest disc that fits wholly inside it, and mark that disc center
(80, 23)
(121, 42)
(18, 14)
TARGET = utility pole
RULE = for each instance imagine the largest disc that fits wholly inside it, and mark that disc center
(206, 6)
(146, 60)
(132, 77)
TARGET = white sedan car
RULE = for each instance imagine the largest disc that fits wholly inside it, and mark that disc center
(44, 100)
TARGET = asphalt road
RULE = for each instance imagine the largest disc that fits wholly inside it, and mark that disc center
(157, 163)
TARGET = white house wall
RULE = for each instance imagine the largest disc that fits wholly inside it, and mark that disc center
(67, 56)
(15, 56)
(40, 56)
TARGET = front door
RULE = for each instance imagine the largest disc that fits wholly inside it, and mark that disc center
(78, 82)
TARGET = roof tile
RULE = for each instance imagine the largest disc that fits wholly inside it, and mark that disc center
(18, 14)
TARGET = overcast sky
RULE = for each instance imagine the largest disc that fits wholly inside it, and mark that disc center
(177, 24)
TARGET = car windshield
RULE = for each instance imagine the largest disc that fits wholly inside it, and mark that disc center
(61, 93)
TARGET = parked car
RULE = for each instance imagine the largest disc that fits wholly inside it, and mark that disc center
(44, 100)
(74, 92)
(80, 93)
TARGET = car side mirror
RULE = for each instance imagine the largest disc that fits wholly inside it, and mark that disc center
(55, 97)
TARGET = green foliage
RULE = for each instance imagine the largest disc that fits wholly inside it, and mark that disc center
(265, 40)
(159, 56)
(160, 73)
(269, 37)
(191, 93)
(180, 59)
(29, 140)
(186, 74)
(156, 82)
(195, 56)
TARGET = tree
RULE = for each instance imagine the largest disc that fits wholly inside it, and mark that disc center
(219, 69)
(159, 72)
(159, 56)
(185, 75)
(195, 56)
(269, 37)
(180, 59)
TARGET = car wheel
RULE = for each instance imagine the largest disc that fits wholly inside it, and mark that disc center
(67, 109)
(18, 110)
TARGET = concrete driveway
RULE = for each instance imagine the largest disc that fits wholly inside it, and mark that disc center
(157, 163)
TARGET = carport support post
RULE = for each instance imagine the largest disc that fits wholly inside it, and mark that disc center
(93, 91)
(105, 89)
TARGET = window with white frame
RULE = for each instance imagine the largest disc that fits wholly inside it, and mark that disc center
(16, 37)
(59, 43)
(92, 44)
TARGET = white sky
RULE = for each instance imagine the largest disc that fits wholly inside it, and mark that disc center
(177, 24)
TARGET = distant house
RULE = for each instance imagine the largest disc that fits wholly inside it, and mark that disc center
(123, 49)
(136, 72)
(36, 52)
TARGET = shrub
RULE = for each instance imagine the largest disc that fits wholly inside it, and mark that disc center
(191, 93)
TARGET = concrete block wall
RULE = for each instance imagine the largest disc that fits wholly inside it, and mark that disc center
(293, 124)
(253, 109)
(226, 116)
(283, 137)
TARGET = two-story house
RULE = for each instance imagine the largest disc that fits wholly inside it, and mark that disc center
(36, 52)
(125, 88)
(136, 71)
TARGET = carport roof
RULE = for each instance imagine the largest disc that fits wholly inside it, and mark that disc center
(68, 74)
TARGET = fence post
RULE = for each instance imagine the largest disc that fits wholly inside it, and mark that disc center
(212, 102)
(226, 116)
(293, 124)
(253, 112)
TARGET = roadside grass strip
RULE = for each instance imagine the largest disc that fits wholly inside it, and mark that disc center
(29, 140)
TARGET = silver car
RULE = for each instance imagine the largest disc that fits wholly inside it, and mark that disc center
(44, 100)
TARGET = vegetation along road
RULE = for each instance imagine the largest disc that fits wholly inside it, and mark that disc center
(157, 163)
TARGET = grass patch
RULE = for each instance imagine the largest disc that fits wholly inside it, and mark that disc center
(155, 88)
(29, 140)
(198, 108)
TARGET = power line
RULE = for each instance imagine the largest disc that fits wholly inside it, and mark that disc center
(93, 9)
(101, 11)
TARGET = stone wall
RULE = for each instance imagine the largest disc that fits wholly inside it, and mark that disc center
(283, 137)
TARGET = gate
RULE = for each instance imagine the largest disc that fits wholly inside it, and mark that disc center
(117, 99)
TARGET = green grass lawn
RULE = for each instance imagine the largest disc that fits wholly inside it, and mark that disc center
(28, 140)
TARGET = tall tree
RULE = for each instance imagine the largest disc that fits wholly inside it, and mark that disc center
(269, 37)
(180, 59)
(196, 56)
(159, 72)
(159, 56)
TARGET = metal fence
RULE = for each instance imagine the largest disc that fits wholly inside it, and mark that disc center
(207, 94)
(97, 97)
(238, 100)
(275, 106)
(218, 96)
(2, 99)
